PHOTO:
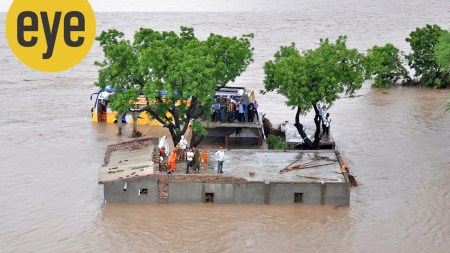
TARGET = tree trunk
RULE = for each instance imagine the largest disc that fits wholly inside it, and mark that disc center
(317, 121)
(135, 117)
(299, 126)
(196, 139)
(176, 139)
(119, 125)
(135, 133)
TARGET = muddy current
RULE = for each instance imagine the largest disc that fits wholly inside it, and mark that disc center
(396, 141)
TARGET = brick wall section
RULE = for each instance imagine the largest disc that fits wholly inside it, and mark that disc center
(163, 194)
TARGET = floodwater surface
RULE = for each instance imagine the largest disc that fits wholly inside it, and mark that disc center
(396, 142)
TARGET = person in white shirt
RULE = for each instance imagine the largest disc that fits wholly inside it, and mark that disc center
(183, 146)
(220, 157)
(190, 160)
(255, 110)
(327, 122)
(322, 113)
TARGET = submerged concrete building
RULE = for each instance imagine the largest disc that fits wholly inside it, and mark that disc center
(131, 174)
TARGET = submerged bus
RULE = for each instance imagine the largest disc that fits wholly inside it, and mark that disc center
(101, 112)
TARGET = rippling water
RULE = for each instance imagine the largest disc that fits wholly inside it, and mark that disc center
(396, 141)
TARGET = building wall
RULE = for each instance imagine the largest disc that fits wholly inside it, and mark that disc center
(261, 193)
(115, 192)
(185, 193)
(284, 193)
(337, 194)
(250, 193)
(273, 193)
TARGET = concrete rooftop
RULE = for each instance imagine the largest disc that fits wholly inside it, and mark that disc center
(268, 165)
(126, 163)
(295, 165)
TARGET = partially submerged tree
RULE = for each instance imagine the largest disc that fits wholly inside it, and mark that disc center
(385, 65)
(177, 74)
(314, 76)
(422, 59)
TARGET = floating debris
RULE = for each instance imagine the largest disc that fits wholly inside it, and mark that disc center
(352, 180)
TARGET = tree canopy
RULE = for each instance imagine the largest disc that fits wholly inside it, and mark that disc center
(442, 56)
(442, 53)
(422, 59)
(313, 76)
(177, 73)
(385, 65)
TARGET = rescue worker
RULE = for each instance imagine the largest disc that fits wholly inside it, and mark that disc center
(172, 160)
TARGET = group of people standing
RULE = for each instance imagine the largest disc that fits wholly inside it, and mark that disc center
(231, 110)
(192, 157)
(182, 153)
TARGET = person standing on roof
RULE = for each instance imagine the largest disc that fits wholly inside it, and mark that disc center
(183, 145)
(190, 160)
(196, 165)
(327, 123)
(322, 114)
(172, 159)
(220, 158)
(217, 111)
(250, 111)
(255, 110)
(223, 108)
(244, 108)
(240, 111)
(163, 147)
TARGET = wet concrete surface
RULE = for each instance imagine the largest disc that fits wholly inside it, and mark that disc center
(295, 165)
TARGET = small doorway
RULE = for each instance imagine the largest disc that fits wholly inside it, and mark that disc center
(298, 198)
(209, 197)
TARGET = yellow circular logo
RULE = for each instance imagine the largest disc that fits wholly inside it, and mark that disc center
(50, 35)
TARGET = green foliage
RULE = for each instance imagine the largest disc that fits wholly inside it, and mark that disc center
(442, 56)
(198, 128)
(423, 43)
(385, 65)
(318, 75)
(313, 76)
(442, 53)
(187, 68)
(275, 142)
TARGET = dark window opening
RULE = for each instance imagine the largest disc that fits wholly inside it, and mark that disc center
(143, 191)
(209, 197)
(298, 198)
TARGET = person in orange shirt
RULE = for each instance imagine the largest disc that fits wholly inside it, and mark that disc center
(172, 160)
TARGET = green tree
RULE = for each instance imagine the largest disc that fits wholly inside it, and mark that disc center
(422, 59)
(442, 53)
(314, 76)
(385, 65)
(177, 73)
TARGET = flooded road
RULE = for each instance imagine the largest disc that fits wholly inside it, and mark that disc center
(396, 142)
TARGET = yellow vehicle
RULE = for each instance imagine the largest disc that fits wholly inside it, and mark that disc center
(101, 112)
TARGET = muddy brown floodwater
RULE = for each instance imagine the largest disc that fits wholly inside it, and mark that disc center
(396, 142)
